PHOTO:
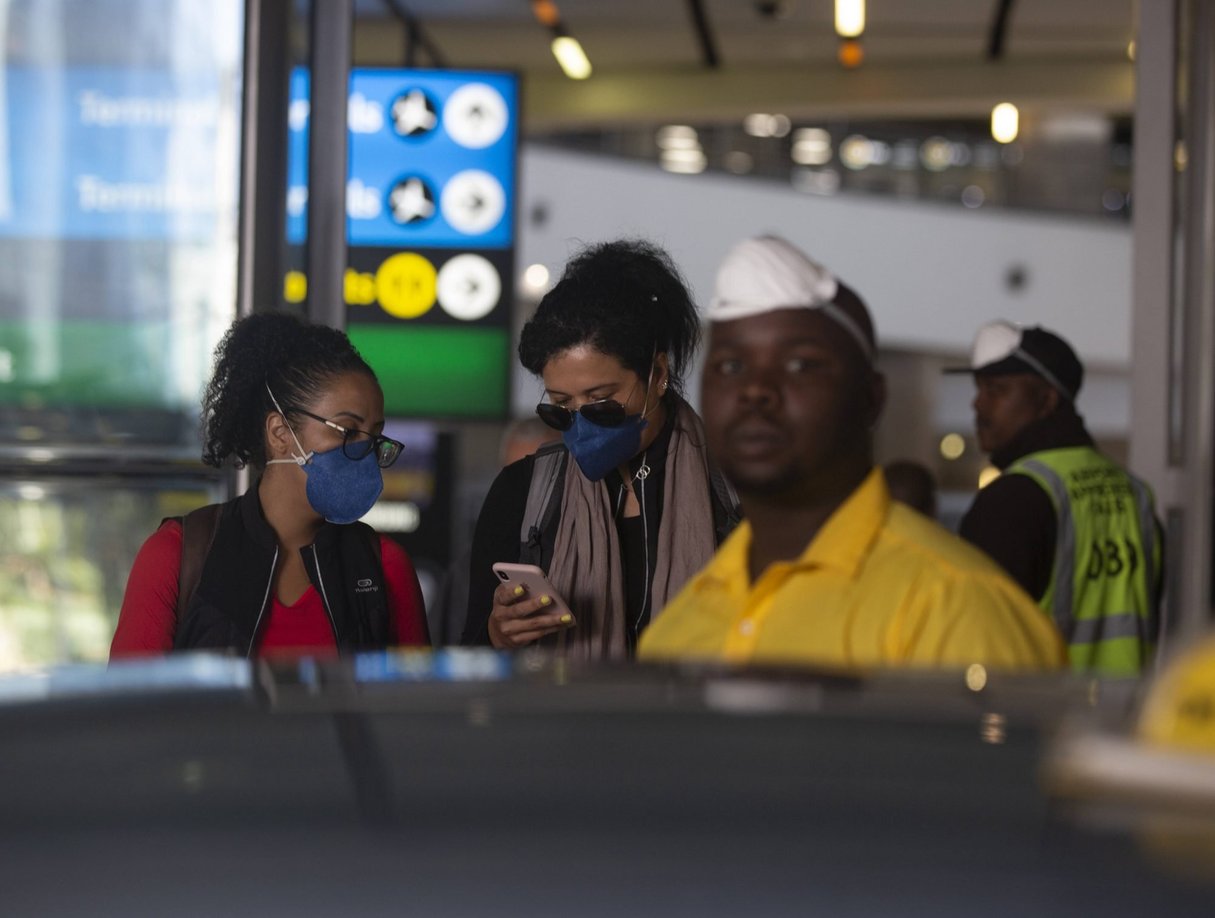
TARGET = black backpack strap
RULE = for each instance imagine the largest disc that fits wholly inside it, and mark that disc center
(198, 530)
(543, 501)
(727, 513)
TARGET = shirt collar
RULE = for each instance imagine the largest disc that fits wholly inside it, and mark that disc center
(845, 539)
(843, 542)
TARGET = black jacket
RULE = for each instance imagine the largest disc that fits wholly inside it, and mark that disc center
(1013, 518)
(233, 594)
(498, 531)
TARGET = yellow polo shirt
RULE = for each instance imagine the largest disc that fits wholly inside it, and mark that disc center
(879, 585)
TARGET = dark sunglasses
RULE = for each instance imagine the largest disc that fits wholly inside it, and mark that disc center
(603, 413)
(358, 444)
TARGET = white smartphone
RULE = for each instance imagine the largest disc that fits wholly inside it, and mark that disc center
(533, 579)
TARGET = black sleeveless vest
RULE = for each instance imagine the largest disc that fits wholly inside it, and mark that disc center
(232, 600)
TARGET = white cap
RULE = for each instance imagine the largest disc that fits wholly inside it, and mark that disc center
(994, 342)
(767, 273)
(1002, 347)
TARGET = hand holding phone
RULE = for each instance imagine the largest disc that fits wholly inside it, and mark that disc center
(526, 607)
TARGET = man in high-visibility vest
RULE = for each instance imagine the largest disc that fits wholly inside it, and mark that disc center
(1078, 532)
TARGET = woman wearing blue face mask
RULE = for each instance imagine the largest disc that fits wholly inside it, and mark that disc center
(285, 568)
(640, 508)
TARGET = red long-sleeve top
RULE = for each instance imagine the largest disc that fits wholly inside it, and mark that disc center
(148, 618)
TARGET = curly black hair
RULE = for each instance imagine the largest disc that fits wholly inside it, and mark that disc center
(294, 359)
(625, 299)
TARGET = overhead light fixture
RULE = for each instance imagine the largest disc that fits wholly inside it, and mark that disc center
(545, 12)
(567, 49)
(811, 147)
(1005, 121)
(849, 18)
(688, 162)
(573, 60)
(677, 137)
(535, 279)
(850, 54)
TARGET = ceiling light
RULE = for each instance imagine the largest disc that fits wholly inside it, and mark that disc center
(856, 152)
(758, 125)
(936, 153)
(952, 446)
(850, 54)
(687, 168)
(535, 278)
(1004, 122)
(811, 147)
(571, 57)
(693, 155)
(688, 161)
(677, 137)
(849, 18)
(545, 12)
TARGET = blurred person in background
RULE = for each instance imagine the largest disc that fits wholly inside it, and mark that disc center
(285, 567)
(1077, 531)
(913, 484)
(521, 438)
(825, 569)
(639, 509)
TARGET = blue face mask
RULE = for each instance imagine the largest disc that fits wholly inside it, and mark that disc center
(342, 489)
(598, 450)
(339, 488)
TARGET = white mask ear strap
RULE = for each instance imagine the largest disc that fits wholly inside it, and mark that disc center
(304, 456)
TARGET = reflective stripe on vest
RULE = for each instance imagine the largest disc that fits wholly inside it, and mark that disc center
(1102, 591)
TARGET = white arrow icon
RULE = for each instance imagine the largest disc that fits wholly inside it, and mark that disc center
(473, 202)
(476, 116)
(468, 287)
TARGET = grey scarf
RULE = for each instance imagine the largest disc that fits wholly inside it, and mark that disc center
(587, 568)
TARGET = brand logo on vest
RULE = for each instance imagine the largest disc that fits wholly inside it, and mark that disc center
(365, 586)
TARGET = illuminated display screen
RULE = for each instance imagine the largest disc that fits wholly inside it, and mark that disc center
(430, 204)
(119, 180)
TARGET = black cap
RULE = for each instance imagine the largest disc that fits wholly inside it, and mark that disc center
(1001, 349)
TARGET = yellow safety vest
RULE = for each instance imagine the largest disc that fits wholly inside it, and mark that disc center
(1102, 592)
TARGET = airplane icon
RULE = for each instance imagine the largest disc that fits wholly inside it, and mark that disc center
(413, 114)
(411, 201)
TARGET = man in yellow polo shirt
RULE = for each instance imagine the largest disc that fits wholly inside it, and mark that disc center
(826, 569)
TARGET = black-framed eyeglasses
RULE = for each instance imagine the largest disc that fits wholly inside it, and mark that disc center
(603, 413)
(358, 444)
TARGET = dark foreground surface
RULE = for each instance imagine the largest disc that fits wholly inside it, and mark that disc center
(306, 792)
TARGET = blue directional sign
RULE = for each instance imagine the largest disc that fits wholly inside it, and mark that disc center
(432, 159)
(114, 153)
(430, 200)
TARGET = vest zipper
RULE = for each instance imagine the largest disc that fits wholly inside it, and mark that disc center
(320, 581)
(642, 474)
(257, 625)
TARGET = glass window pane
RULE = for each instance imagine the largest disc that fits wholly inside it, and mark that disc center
(68, 548)
(119, 181)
